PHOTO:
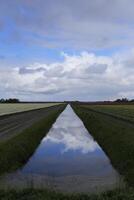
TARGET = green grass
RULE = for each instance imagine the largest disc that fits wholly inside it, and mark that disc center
(16, 151)
(122, 111)
(9, 108)
(115, 136)
(34, 194)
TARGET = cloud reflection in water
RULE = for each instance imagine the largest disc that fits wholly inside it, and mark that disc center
(70, 131)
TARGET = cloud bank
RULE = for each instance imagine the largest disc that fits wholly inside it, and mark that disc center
(77, 77)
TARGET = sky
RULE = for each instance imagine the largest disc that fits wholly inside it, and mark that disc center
(56, 50)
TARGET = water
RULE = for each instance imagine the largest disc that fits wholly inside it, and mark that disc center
(67, 159)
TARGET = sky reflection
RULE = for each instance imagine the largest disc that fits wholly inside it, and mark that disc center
(68, 149)
(70, 133)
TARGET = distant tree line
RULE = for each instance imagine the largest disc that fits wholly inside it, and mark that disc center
(10, 100)
(114, 102)
(123, 100)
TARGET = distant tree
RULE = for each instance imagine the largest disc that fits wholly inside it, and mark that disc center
(2, 100)
(122, 100)
(11, 100)
(132, 100)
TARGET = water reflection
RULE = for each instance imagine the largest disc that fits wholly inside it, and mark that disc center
(68, 149)
(69, 158)
(70, 133)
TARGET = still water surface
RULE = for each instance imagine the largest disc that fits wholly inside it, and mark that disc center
(67, 159)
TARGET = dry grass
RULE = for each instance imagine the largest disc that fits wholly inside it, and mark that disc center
(9, 108)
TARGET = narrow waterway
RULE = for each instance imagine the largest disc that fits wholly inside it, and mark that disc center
(67, 159)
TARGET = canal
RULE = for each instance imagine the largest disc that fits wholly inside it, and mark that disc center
(68, 159)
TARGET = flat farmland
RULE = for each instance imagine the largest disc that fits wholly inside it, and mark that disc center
(14, 121)
(125, 112)
(10, 108)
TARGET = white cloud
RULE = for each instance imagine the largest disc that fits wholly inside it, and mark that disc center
(83, 77)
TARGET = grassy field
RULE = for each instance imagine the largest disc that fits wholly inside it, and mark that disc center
(115, 136)
(8, 108)
(16, 151)
(125, 112)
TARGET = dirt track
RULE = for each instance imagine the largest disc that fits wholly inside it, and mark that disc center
(13, 124)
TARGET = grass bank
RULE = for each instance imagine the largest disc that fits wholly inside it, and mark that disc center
(32, 194)
(16, 151)
(115, 136)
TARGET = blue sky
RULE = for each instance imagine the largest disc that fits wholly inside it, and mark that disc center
(74, 50)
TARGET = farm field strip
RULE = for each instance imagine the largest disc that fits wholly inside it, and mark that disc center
(125, 112)
(12, 125)
(7, 108)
